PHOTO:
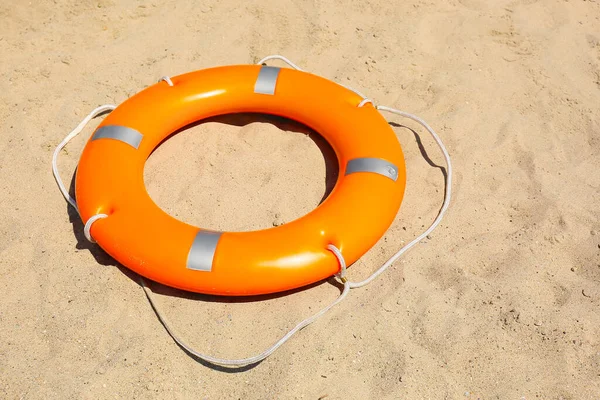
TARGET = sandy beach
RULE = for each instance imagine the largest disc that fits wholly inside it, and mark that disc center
(501, 302)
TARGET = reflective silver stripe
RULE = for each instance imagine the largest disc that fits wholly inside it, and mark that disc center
(121, 133)
(266, 81)
(375, 165)
(202, 252)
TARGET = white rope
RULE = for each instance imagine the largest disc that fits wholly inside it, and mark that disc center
(250, 360)
(278, 57)
(166, 79)
(296, 67)
(445, 204)
(88, 226)
(337, 253)
(70, 136)
(341, 260)
(364, 101)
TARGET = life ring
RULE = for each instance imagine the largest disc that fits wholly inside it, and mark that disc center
(145, 239)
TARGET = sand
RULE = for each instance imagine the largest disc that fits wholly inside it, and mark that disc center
(501, 302)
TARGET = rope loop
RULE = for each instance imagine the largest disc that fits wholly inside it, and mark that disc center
(279, 57)
(166, 79)
(341, 260)
(365, 101)
(61, 186)
(88, 226)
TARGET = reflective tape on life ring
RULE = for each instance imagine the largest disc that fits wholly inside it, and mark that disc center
(374, 165)
(267, 80)
(120, 133)
(202, 252)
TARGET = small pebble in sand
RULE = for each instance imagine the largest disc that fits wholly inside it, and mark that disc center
(277, 221)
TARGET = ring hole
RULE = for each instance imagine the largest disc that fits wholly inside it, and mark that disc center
(241, 172)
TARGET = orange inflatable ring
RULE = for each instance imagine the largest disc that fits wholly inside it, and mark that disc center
(142, 237)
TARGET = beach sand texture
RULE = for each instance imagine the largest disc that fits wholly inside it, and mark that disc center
(502, 302)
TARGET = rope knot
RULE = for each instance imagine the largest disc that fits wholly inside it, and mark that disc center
(341, 275)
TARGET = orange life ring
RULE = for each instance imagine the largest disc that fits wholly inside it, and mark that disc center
(142, 237)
